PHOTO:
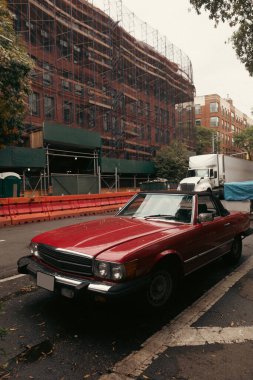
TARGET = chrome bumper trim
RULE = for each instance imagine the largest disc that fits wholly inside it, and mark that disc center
(67, 281)
(99, 287)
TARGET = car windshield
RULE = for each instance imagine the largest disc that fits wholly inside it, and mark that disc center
(171, 207)
(198, 173)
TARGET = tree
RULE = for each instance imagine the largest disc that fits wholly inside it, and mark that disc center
(171, 162)
(15, 66)
(239, 14)
(204, 138)
(244, 140)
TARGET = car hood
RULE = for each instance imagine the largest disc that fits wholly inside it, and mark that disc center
(108, 234)
(191, 180)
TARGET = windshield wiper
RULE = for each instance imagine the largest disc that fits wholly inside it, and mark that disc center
(166, 216)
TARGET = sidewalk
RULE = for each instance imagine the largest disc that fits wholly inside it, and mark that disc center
(219, 345)
(212, 339)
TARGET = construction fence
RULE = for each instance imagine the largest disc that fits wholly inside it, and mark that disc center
(15, 211)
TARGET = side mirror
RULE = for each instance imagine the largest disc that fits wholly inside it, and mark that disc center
(205, 217)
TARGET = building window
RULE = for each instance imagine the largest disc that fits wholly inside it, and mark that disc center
(77, 53)
(214, 107)
(197, 109)
(68, 75)
(157, 135)
(64, 48)
(147, 110)
(49, 107)
(80, 114)
(214, 121)
(78, 89)
(121, 104)
(188, 107)
(142, 132)
(157, 114)
(167, 117)
(17, 21)
(167, 136)
(148, 132)
(198, 122)
(106, 124)
(34, 103)
(163, 117)
(45, 40)
(66, 86)
(67, 112)
(47, 76)
(47, 79)
(91, 117)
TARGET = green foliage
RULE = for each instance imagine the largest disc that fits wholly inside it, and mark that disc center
(203, 140)
(171, 162)
(244, 140)
(239, 14)
(15, 66)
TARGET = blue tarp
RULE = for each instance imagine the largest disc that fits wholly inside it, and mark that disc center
(238, 191)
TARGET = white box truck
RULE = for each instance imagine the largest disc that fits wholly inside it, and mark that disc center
(210, 171)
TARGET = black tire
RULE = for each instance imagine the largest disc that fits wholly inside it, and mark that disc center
(235, 254)
(161, 288)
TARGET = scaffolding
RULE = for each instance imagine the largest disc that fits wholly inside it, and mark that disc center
(106, 71)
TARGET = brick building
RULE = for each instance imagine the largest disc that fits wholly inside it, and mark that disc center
(223, 118)
(99, 89)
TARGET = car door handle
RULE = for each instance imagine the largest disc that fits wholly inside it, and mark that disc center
(227, 224)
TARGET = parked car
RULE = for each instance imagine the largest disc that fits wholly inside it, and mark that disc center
(152, 242)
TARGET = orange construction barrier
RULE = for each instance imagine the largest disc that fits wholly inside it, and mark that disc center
(5, 219)
(26, 210)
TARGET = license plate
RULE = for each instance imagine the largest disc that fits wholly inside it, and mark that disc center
(45, 281)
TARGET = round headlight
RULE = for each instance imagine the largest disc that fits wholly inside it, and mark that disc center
(103, 269)
(117, 272)
(34, 249)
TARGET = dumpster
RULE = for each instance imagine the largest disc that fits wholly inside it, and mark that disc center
(10, 184)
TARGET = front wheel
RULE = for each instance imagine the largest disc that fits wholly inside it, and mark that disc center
(161, 288)
(236, 251)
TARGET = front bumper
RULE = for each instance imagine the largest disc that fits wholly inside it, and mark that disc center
(72, 286)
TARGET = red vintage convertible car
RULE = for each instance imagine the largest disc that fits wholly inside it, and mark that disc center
(152, 242)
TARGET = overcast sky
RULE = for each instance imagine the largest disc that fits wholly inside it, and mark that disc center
(216, 70)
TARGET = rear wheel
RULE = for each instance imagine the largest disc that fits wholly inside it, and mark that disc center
(161, 288)
(236, 251)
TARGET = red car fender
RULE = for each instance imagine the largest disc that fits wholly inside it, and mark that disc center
(169, 257)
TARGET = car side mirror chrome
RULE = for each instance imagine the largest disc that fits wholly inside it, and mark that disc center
(205, 217)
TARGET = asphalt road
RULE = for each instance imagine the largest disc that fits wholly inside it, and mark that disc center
(15, 240)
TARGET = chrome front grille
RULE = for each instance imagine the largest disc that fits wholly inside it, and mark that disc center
(65, 261)
(187, 186)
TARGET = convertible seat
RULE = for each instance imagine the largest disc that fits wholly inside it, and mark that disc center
(202, 208)
(183, 215)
